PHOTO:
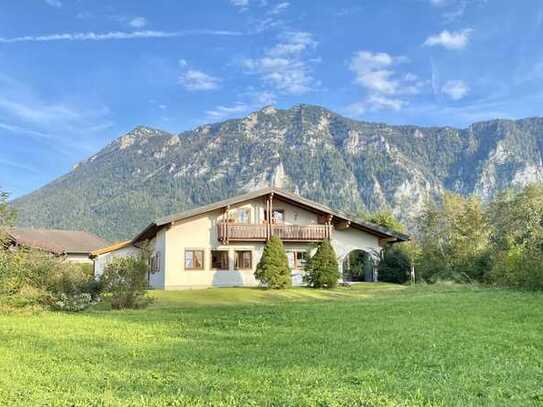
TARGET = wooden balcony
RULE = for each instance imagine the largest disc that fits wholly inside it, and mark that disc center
(235, 232)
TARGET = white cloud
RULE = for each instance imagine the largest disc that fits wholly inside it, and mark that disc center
(375, 103)
(264, 98)
(61, 124)
(284, 67)
(294, 44)
(279, 8)
(376, 73)
(242, 5)
(138, 22)
(223, 112)
(450, 40)
(195, 80)
(19, 166)
(54, 3)
(116, 35)
(456, 90)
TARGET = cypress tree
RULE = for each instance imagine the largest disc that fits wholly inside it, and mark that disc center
(321, 271)
(272, 269)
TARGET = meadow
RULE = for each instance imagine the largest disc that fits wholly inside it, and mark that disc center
(370, 345)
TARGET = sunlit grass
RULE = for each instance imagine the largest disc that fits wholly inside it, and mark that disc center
(369, 345)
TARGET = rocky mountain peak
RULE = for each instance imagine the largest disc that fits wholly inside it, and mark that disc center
(344, 163)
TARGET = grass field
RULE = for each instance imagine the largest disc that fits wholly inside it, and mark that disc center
(370, 345)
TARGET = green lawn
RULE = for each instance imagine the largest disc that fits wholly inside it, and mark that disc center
(371, 345)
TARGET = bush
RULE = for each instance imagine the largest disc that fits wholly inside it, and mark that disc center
(321, 270)
(395, 265)
(36, 278)
(272, 269)
(518, 268)
(125, 279)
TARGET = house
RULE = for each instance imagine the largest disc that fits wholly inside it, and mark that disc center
(73, 245)
(220, 244)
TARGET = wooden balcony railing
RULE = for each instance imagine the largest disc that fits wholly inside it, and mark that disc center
(260, 232)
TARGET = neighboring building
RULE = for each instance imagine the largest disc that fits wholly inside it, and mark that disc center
(103, 256)
(73, 245)
(220, 244)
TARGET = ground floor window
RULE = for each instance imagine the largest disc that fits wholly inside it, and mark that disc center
(243, 260)
(297, 259)
(154, 263)
(194, 259)
(219, 259)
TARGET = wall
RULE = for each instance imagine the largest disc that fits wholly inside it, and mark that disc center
(200, 233)
(101, 261)
(344, 241)
(157, 280)
(78, 258)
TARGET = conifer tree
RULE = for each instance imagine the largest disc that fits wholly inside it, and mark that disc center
(272, 269)
(321, 270)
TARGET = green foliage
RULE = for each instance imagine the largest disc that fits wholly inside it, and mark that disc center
(321, 270)
(36, 278)
(517, 239)
(7, 216)
(272, 269)
(346, 165)
(360, 266)
(385, 219)
(500, 244)
(125, 279)
(395, 264)
(453, 239)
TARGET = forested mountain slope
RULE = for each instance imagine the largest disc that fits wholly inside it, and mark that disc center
(346, 164)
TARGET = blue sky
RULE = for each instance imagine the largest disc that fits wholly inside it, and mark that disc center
(76, 74)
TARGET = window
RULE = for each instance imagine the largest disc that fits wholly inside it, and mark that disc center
(291, 256)
(301, 259)
(219, 259)
(296, 259)
(278, 216)
(194, 259)
(154, 263)
(241, 215)
(244, 260)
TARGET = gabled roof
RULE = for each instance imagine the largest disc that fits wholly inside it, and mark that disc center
(297, 200)
(111, 248)
(57, 241)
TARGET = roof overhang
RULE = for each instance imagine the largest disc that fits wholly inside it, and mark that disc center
(293, 199)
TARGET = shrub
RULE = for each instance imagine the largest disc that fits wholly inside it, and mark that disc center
(36, 278)
(518, 268)
(125, 279)
(321, 270)
(395, 265)
(272, 269)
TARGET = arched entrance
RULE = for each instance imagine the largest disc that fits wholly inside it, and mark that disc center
(359, 265)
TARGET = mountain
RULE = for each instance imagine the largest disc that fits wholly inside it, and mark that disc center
(346, 164)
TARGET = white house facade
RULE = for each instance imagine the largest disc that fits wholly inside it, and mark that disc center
(219, 245)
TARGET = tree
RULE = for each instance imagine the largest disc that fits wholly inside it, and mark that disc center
(396, 259)
(516, 238)
(385, 219)
(7, 215)
(453, 239)
(395, 264)
(321, 270)
(272, 269)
